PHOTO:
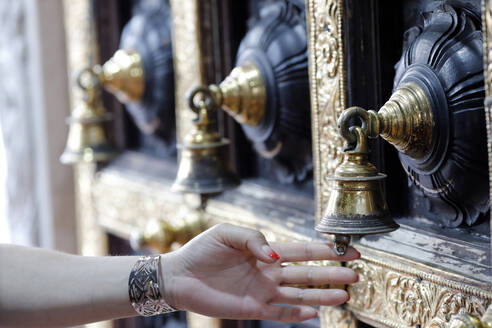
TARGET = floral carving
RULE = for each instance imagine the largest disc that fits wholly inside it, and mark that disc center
(327, 90)
(404, 299)
(336, 317)
(363, 293)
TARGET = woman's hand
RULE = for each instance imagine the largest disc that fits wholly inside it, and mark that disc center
(232, 272)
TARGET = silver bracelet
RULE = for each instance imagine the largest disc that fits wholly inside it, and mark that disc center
(143, 287)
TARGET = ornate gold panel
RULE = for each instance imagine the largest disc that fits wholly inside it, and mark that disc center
(324, 21)
(394, 292)
(188, 58)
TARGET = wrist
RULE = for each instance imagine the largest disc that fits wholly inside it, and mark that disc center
(169, 275)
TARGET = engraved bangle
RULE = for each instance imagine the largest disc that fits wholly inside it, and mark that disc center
(143, 287)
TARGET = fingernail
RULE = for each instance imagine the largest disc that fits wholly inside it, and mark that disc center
(270, 252)
(274, 255)
(313, 313)
(359, 256)
(357, 279)
(348, 296)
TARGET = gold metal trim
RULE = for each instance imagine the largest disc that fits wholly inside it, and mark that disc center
(466, 320)
(327, 78)
(395, 292)
(188, 59)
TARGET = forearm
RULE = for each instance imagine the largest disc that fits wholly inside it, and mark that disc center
(46, 289)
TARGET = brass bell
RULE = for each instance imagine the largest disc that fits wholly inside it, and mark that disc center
(356, 204)
(87, 139)
(203, 166)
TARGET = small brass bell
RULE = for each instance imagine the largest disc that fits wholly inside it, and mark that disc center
(203, 166)
(87, 139)
(356, 205)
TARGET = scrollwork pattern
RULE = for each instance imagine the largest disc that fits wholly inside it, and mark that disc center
(399, 299)
(327, 89)
(336, 317)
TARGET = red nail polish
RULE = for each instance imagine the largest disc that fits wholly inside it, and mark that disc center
(274, 255)
(357, 279)
(348, 297)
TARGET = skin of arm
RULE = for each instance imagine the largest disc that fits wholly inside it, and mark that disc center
(43, 288)
(225, 272)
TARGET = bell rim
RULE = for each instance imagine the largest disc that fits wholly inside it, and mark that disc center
(379, 176)
(73, 157)
(359, 233)
(372, 225)
(106, 117)
(221, 143)
(233, 183)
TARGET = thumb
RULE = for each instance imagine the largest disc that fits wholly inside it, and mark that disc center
(245, 239)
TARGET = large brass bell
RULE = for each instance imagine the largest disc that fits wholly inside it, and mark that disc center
(203, 166)
(356, 205)
(87, 139)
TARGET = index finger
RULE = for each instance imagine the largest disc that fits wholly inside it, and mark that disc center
(312, 251)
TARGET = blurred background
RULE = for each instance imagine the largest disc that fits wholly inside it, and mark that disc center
(36, 191)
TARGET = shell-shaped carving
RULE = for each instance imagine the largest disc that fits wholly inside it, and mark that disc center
(149, 33)
(444, 53)
(277, 44)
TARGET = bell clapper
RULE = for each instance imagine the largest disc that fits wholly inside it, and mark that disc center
(341, 244)
(203, 201)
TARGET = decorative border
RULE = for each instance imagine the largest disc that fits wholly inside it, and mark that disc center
(327, 76)
(188, 58)
(394, 293)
